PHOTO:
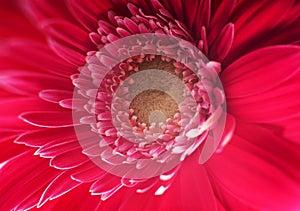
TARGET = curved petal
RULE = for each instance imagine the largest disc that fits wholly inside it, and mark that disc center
(14, 54)
(15, 80)
(271, 96)
(48, 119)
(68, 41)
(19, 184)
(259, 168)
(252, 15)
(88, 14)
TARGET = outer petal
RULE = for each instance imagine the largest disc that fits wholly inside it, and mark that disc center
(261, 86)
(89, 13)
(23, 185)
(252, 15)
(259, 168)
(15, 54)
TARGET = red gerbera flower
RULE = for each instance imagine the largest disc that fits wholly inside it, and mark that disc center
(49, 49)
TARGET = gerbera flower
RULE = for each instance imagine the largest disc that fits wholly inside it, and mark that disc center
(49, 49)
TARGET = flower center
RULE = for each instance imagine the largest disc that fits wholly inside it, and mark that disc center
(153, 107)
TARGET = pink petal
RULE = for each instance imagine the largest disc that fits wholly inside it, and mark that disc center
(221, 11)
(256, 166)
(15, 81)
(19, 184)
(88, 172)
(15, 54)
(251, 15)
(197, 14)
(63, 160)
(58, 187)
(65, 37)
(88, 14)
(12, 107)
(105, 184)
(221, 46)
(271, 97)
(268, 66)
(55, 96)
(42, 137)
(48, 119)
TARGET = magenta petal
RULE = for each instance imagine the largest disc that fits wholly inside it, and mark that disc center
(221, 11)
(105, 184)
(68, 41)
(59, 186)
(271, 96)
(15, 81)
(42, 137)
(256, 166)
(19, 184)
(221, 46)
(252, 15)
(88, 13)
(48, 119)
(14, 54)
(197, 14)
(55, 96)
(63, 160)
(269, 67)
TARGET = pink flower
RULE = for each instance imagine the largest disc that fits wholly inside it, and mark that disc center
(252, 45)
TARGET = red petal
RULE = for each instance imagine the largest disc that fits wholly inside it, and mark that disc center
(66, 39)
(259, 17)
(221, 46)
(261, 86)
(55, 96)
(15, 81)
(105, 184)
(259, 168)
(42, 137)
(69, 159)
(61, 185)
(260, 71)
(221, 11)
(19, 184)
(197, 14)
(15, 54)
(12, 107)
(48, 119)
(88, 13)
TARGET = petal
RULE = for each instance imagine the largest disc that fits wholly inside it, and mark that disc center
(43, 137)
(41, 10)
(197, 14)
(271, 97)
(252, 15)
(55, 96)
(88, 14)
(13, 106)
(221, 46)
(67, 40)
(259, 168)
(268, 67)
(58, 187)
(19, 54)
(63, 160)
(77, 199)
(15, 80)
(48, 119)
(221, 11)
(19, 184)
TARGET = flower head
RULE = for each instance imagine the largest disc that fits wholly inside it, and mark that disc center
(128, 105)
